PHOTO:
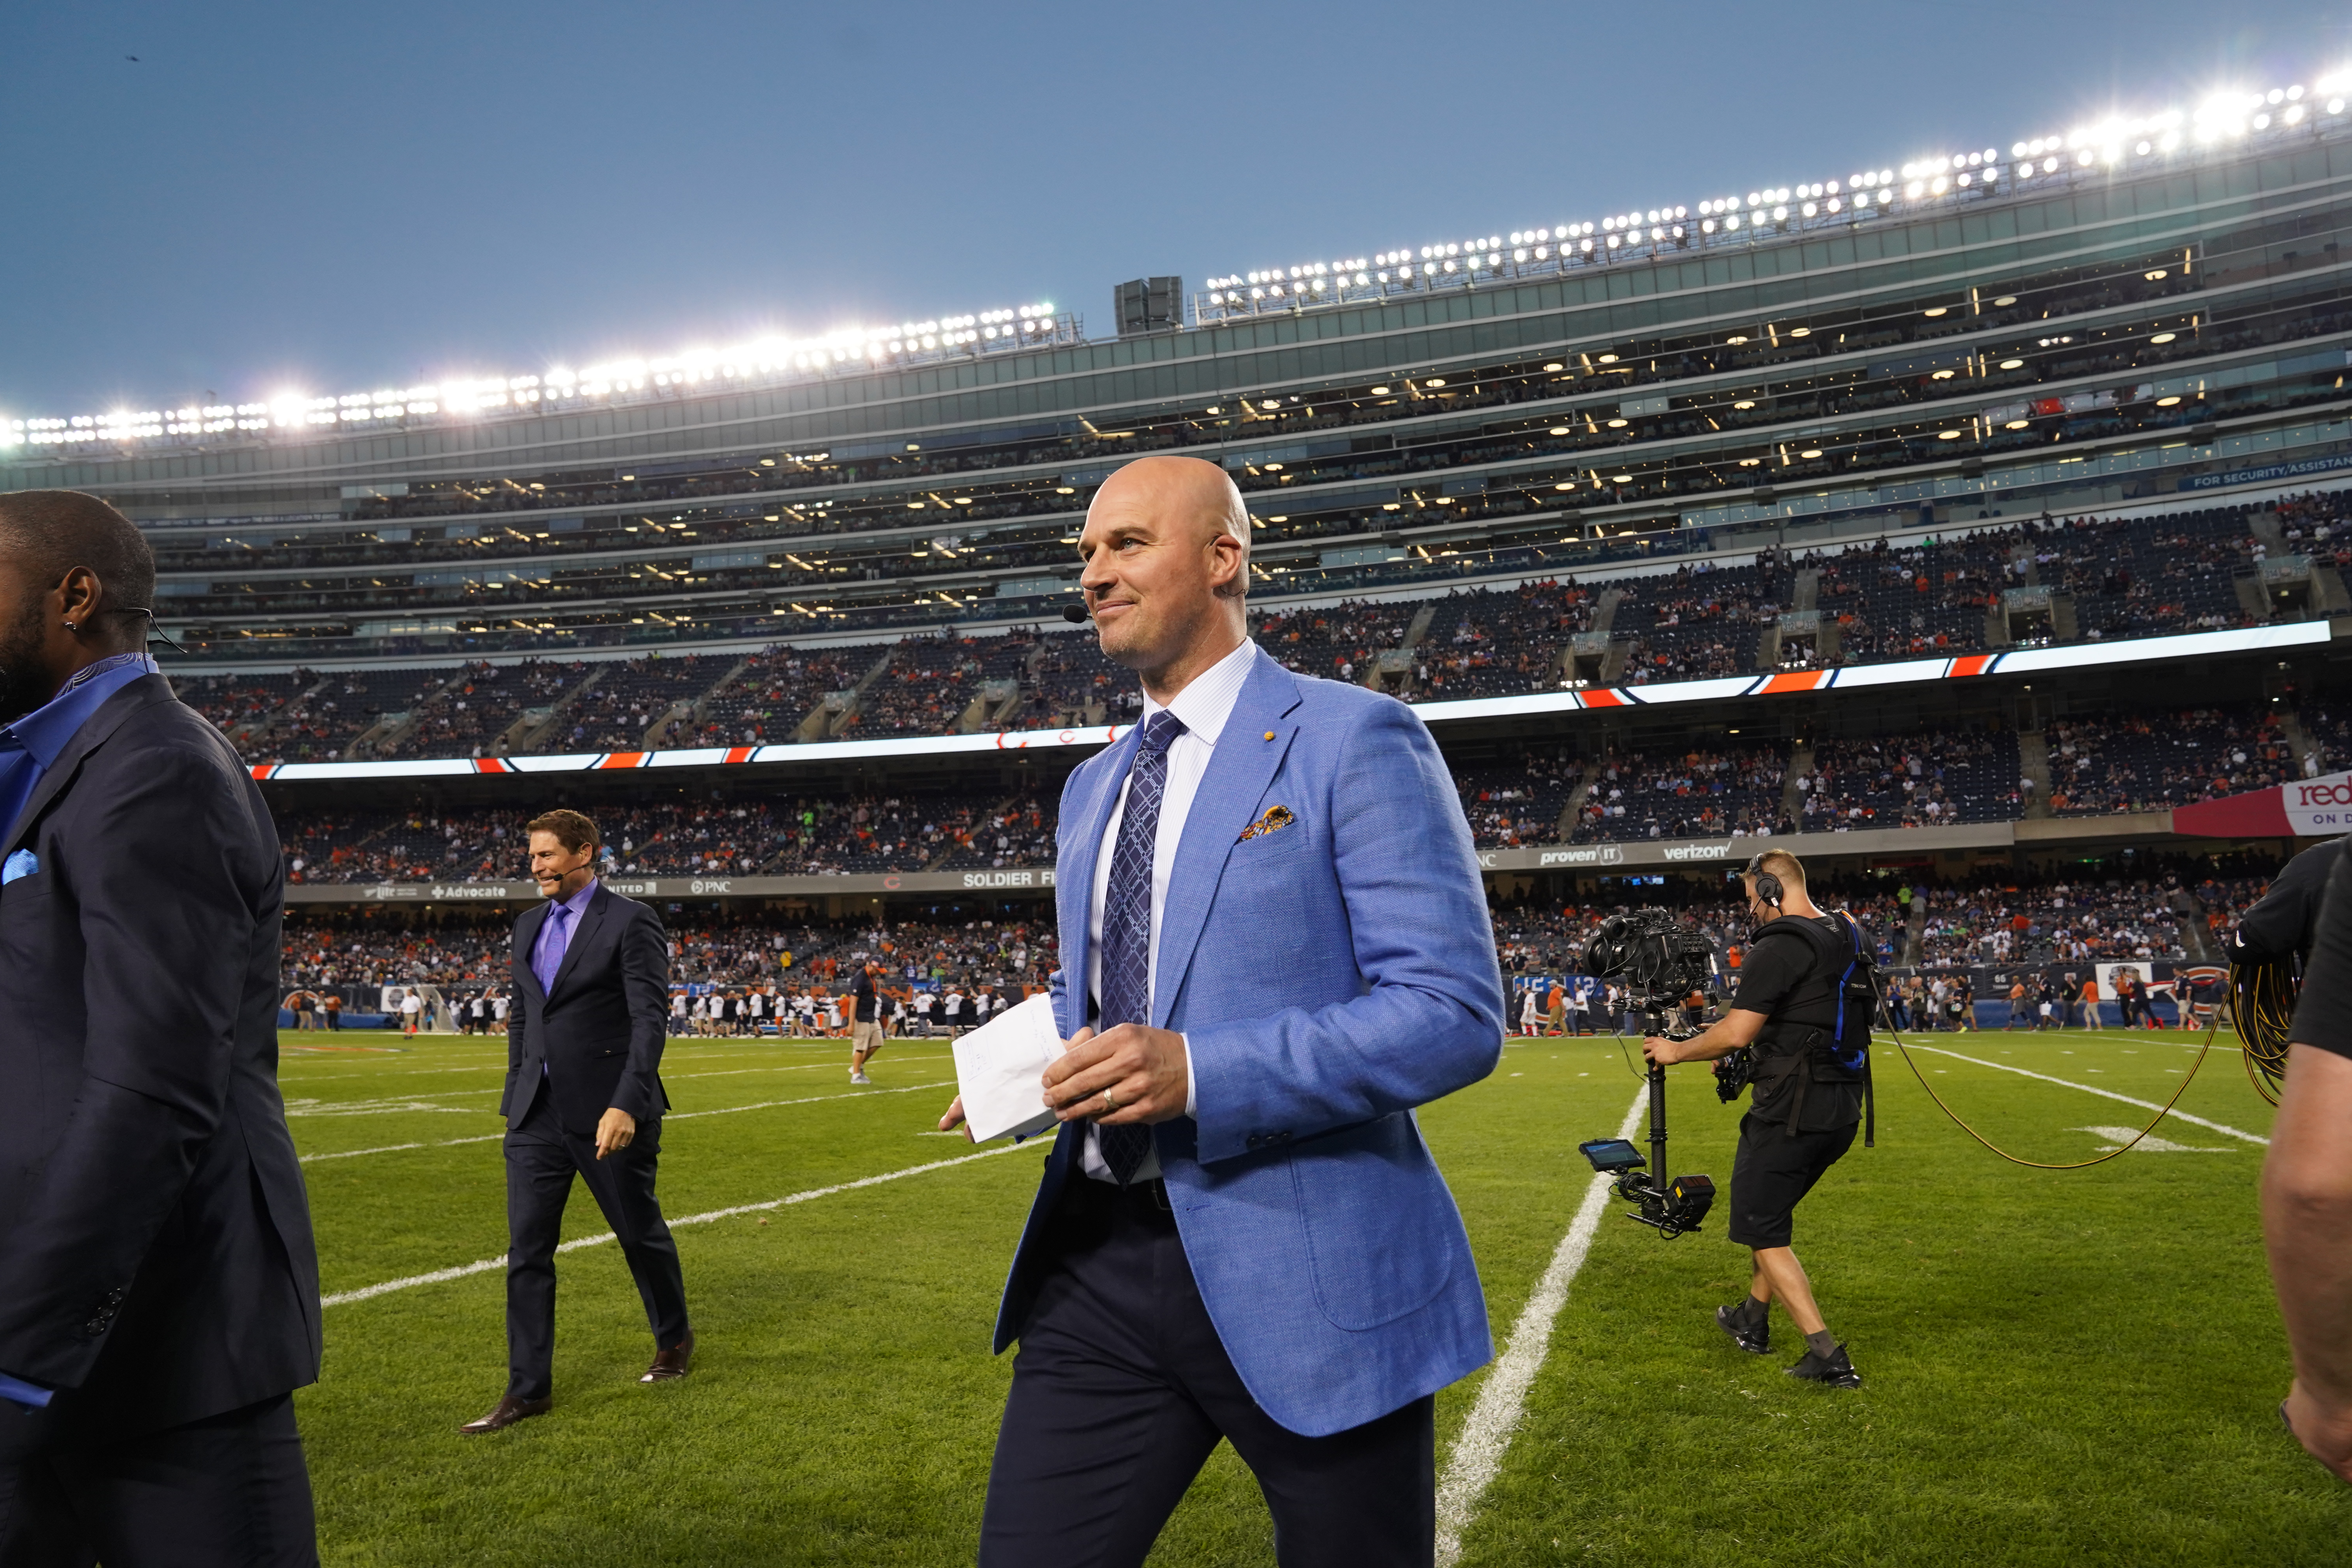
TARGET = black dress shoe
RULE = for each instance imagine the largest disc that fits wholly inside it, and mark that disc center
(1832, 1371)
(1755, 1338)
(670, 1363)
(505, 1414)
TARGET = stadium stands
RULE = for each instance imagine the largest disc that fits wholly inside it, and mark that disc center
(2078, 579)
(777, 691)
(1911, 781)
(1600, 447)
(928, 686)
(468, 712)
(470, 948)
(627, 700)
(1514, 804)
(1697, 794)
(2100, 765)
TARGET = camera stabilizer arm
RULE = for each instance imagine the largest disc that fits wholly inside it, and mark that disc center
(1662, 962)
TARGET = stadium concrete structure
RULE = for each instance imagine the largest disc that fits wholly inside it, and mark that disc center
(1998, 439)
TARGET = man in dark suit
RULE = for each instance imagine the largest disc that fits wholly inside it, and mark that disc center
(159, 1287)
(583, 1095)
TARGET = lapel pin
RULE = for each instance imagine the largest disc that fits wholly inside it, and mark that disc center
(1269, 734)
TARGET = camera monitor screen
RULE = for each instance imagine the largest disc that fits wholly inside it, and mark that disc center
(1610, 1155)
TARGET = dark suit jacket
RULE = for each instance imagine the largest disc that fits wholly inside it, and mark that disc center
(601, 1030)
(155, 1250)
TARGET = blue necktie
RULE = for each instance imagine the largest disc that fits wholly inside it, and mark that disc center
(1127, 919)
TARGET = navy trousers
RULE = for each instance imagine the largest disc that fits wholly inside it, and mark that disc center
(541, 1160)
(1121, 1392)
(228, 1491)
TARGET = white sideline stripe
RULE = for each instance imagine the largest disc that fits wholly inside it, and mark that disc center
(671, 1116)
(2102, 1093)
(1486, 1434)
(441, 1276)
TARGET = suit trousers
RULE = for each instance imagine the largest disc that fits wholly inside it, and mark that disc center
(1121, 1390)
(228, 1491)
(541, 1158)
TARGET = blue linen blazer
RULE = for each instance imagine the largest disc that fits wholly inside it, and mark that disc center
(1330, 975)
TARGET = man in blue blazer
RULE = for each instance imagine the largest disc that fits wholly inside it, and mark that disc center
(1275, 945)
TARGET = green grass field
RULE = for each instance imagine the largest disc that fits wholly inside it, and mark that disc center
(2061, 1368)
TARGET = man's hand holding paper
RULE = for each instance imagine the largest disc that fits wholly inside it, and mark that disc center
(1000, 1067)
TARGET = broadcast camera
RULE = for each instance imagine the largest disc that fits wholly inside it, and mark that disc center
(1661, 963)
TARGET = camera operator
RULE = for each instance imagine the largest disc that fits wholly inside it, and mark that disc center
(2307, 1176)
(2283, 921)
(1805, 1104)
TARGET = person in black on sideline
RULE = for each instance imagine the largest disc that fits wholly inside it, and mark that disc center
(2284, 920)
(1805, 1104)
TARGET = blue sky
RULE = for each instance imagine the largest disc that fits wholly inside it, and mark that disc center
(331, 198)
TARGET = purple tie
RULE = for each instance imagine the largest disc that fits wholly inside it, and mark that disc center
(551, 943)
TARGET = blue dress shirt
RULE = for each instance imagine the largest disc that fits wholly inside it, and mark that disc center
(29, 746)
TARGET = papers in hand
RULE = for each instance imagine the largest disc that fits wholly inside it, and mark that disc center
(998, 1069)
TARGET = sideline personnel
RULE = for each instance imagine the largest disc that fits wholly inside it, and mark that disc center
(1271, 917)
(2307, 1184)
(584, 1094)
(1802, 1118)
(159, 1287)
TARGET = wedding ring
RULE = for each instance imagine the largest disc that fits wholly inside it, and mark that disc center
(1109, 1104)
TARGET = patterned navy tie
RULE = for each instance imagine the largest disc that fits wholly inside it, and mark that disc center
(1127, 919)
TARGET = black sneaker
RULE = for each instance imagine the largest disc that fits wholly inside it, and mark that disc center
(1832, 1371)
(1756, 1338)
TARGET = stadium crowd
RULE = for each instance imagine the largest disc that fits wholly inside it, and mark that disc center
(2081, 579)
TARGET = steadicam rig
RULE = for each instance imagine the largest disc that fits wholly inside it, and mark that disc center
(1663, 963)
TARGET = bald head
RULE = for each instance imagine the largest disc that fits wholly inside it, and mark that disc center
(1184, 490)
(1166, 548)
(76, 579)
(48, 534)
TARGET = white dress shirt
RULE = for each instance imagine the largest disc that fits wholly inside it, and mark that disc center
(1203, 706)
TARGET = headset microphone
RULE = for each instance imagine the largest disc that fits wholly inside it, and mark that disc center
(1075, 614)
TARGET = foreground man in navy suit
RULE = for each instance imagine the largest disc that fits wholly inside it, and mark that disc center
(159, 1287)
(1275, 945)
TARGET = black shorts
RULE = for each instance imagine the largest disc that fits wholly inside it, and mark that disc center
(1772, 1172)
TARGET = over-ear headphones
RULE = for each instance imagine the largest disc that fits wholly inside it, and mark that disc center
(1768, 885)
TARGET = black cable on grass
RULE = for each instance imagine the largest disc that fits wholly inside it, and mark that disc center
(2262, 1009)
(2035, 1165)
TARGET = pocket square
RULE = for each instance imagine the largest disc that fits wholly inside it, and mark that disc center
(23, 863)
(1276, 819)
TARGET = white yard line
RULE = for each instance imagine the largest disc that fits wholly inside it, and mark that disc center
(2102, 1093)
(771, 1104)
(1485, 1437)
(440, 1276)
(672, 1116)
